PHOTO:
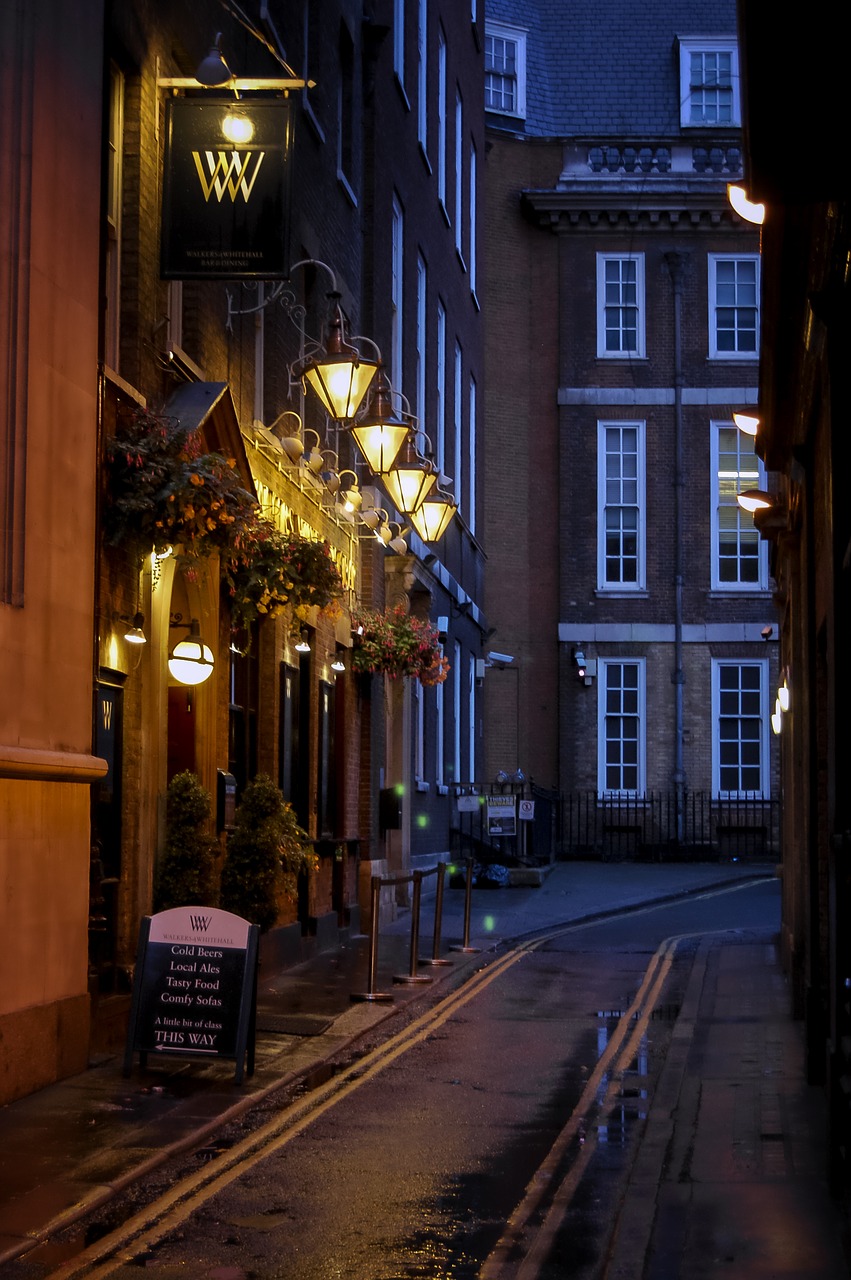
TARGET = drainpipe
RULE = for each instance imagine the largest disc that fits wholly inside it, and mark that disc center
(675, 263)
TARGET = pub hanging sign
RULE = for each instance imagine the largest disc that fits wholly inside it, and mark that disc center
(226, 190)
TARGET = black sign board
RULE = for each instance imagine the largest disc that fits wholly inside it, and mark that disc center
(226, 190)
(195, 987)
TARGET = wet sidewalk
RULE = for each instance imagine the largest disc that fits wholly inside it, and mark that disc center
(72, 1146)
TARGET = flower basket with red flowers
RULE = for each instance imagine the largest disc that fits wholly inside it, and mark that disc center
(396, 644)
(271, 571)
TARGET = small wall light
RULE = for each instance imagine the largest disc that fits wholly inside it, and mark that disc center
(744, 207)
(303, 643)
(191, 660)
(214, 71)
(134, 633)
(783, 698)
(338, 661)
(748, 423)
(754, 500)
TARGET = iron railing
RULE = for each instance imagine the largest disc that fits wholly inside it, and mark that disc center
(662, 825)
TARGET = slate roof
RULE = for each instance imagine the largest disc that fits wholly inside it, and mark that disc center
(606, 68)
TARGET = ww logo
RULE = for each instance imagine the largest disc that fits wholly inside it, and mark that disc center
(223, 172)
(200, 923)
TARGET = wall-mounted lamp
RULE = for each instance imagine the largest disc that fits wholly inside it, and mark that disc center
(338, 661)
(293, 446)
(434, 516)
(744, 207)
(783, 697)
(411, 480)
(302, 645)
(133, 627)
(339, 375)
(214, 71)
(380, 432)
(748, 423)
(351, 499)
(191, 660)
(755, 500)
(397, 543)
(312, 457)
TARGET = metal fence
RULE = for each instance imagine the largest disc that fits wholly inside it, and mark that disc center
(661, 825)
(534, 842)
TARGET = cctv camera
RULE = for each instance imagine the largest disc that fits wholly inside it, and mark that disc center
(500, 657)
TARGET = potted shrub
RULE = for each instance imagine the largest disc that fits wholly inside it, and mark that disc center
(186, 873)
(266, 851)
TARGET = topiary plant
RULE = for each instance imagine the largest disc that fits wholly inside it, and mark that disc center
(266, 850)
(186, 874)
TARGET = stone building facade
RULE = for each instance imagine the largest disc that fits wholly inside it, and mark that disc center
(626, 583)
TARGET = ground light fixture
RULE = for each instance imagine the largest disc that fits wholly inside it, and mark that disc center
(433, 517)
(339, 375)
(191, 660)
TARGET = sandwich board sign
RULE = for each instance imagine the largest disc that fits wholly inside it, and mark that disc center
(195, 988)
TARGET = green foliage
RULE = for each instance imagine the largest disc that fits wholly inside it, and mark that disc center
(271, 571)
(266, 850)
(186, 873)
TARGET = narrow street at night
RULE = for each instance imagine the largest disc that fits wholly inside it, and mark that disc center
(501, 1132)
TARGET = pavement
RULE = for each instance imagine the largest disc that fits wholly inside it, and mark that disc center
(728, 1179)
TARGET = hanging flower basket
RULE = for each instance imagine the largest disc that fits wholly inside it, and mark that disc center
(273, 571)
(163, 491)
(396, 644)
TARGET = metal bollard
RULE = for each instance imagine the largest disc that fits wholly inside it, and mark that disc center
(468, 907)
(371, 994)
(438, 917)
(412, 975)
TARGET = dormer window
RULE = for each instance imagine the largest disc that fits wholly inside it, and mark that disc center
(709, 83)
(505, 69)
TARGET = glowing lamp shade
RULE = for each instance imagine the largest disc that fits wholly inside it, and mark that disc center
(191, 660)
(340, 377)
(748, 423)
(754, 500)
(744, 207)
(380, 433)
(237, 128)
(433, 517)
(783, 698)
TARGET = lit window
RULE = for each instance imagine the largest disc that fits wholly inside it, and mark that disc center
(733, 306)
(620, 468)
(739, 556)
(620, 304)
(621, 727)
(739, 728)
(709, 83)
(505, 70)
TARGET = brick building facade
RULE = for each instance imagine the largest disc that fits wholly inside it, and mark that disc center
(631, 590)
(383, 224)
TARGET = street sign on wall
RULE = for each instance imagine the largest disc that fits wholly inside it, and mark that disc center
(226, 190)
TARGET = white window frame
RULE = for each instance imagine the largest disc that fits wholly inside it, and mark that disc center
(728, 793)
(441, 118)
(399, 41)
(749, 473)
(472, 215)
(440, 406)
(459, 424)
(422, 74)
(440, 726)
(516, 36)
(456, 708)
(422, 338)
(616, 487)
(702, 46)
(713, 260)
(471, 716)
(459, 174)
(397, 252)
(606, 667)
(471, 451)
(639, 351)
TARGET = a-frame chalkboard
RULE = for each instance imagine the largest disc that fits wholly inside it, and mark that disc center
(195, 988)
